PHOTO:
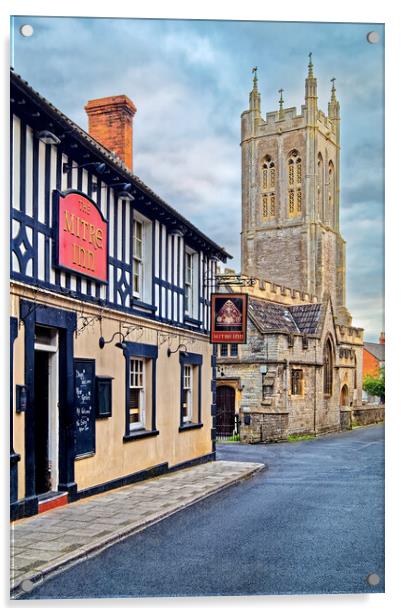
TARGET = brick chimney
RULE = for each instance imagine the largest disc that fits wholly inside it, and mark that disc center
(382, 339)
(110, 123)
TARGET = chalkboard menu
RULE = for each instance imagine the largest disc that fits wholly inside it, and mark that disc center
(84, 388)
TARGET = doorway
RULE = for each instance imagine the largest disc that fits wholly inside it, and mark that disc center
(225, 415)
(344, 398)
(46, 409)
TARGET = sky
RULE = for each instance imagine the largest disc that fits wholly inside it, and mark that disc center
(190, 82)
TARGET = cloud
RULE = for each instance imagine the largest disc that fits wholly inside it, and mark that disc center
(190, 82)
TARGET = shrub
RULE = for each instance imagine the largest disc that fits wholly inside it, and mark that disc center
(375, 385)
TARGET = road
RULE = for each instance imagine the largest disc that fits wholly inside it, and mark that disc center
(312, 522)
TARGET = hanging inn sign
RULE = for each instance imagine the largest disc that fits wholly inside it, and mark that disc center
(82, 242)
(229, 317)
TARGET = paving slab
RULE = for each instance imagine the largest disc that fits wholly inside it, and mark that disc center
(39, 550)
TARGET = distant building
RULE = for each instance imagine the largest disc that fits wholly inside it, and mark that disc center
(373, 362)
(301, 369)
(373, 357)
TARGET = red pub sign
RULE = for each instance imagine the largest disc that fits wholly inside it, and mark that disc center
(229, 317)
(82, 236)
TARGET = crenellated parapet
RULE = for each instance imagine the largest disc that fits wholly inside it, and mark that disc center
(263, 289)
(349, 335)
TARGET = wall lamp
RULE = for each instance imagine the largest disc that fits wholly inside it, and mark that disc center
(180, 346)
(47, 137)
(98, 167)
(122, 344)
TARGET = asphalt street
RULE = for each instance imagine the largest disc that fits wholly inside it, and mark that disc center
(312, 522)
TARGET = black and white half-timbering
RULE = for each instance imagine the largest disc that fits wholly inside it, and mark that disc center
(110, 315)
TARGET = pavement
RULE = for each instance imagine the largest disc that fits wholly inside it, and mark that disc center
(43, 545)
(313, 523)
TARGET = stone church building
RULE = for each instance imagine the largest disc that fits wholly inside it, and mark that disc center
(301, 369)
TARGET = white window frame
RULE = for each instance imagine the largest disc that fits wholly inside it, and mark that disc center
(142, 261)
(187, 385)
(189, 283)
(138, 425)
(137, 261)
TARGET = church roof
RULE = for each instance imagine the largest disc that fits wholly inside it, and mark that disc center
(375, 349)
(307, 317)
(270, 316)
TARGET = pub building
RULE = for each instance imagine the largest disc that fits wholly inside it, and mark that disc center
(112, 372)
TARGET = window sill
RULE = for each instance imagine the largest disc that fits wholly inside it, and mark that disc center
(192, 321)
(190, 426)
(138, 303)
(136, 436)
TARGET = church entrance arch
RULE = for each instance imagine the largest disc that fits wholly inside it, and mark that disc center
(225, 414)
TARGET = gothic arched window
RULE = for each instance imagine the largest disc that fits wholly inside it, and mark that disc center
(328, 368)
(269, 189)
(330, 194)
(320, 185)
(294, 184)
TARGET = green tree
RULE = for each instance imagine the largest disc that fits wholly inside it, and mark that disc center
(375, 385)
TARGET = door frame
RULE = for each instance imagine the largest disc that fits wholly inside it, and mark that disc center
(65, 322)
(53, 406)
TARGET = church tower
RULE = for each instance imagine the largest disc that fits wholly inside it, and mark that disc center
(290, 195)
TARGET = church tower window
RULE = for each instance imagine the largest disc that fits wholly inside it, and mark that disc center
(299, 201)
(330, 194)
(272, 176)
(265, 206)
(291, 206)
(272, 211)
(269, 189)
(299, 171)
(265, 176)
(319, 185)
(291, 172)
(294, 184)
(328, 368)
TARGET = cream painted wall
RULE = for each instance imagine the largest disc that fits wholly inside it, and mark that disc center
(113, 457)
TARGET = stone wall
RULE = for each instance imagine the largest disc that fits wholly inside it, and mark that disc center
(263, 427)
(345, 420)
(365, 415)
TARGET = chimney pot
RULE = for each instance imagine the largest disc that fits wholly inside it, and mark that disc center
(110, 123)
(382, 338)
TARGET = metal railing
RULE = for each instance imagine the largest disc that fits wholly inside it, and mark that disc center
(226, 428)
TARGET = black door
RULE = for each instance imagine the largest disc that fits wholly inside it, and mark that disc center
(42, 475)
(225, 416)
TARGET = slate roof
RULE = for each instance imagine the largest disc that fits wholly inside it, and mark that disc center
(307, 317)
(269, 316)
(376, 349)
